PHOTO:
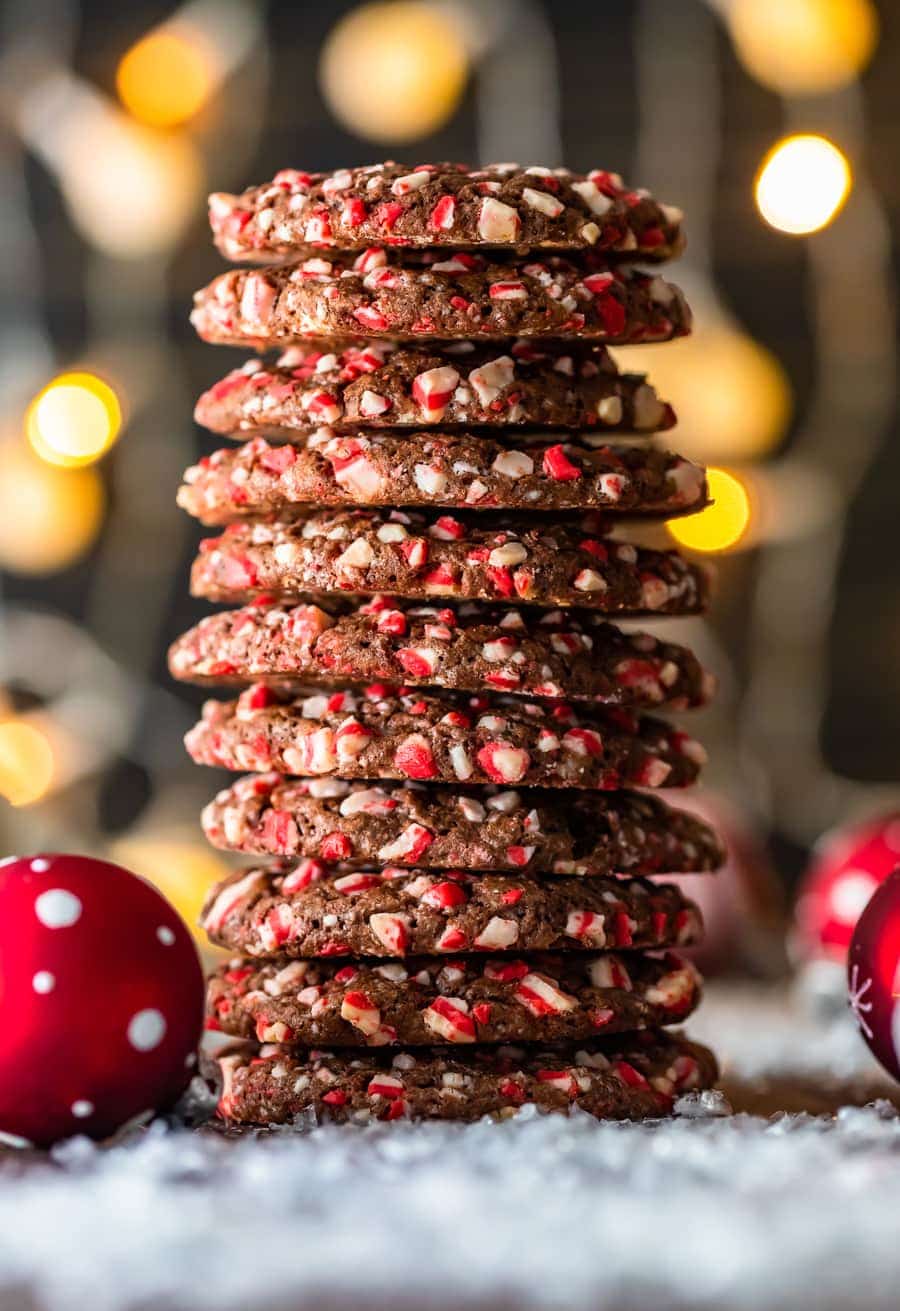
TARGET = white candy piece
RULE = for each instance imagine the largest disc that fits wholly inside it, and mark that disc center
(490, 379)
(358, 555)
(542, 201)
(497, 222)
(498, 934)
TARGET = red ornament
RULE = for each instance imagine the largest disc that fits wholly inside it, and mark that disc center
(873, 973)
(101, 998)
(846, 868)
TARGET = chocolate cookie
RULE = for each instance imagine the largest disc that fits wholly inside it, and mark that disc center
(576, 655)
(632, 1077)
(443, 205)
(442, 469)
(385, 735)
(418, 556)
(377, 295)
(439, 828)
(381, 385)
(541, 998)
(399, 912)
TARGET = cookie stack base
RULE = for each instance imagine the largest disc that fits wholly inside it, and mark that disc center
(636, 1077)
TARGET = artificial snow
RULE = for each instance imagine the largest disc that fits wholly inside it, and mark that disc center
(709, 1210)
(760, 1034)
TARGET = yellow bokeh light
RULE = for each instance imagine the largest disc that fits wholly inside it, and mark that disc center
(802, 184)
(731, 395)
(182, 868)
(74, 420)
(394, 72)
(722, 524)
(26, 762)
(803, 47)
(165, 78)
(49, 516)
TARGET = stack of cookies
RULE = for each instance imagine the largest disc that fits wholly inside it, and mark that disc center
(451, 770)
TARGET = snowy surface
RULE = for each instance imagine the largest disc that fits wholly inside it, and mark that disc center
(807, 1032)
(711, 1210)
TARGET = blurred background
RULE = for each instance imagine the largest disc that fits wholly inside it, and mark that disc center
(773, 123)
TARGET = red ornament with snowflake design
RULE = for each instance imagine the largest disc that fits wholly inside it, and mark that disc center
(101, 998)
(873, 974)
(846, 868)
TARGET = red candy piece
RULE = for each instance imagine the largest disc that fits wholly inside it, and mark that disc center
(414, 759)
(444, 896)
(558, 466)
(278, 458)
(354, 212)
(101, 998)
(873, 974)
(629, 1075)
(442, 216)
(336, 846)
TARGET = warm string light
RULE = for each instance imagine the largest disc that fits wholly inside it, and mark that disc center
(49, 517)
(173, 72)
(165, 78)
(802, 184)
(803, 47)
(394, 72)
(27, 763)
(731, 395)
(140, 192)
(724, 523)
(74, 420)
(142, 187)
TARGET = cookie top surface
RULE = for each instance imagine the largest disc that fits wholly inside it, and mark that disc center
(327, 820)
(454, 470)
(463, 296)
(634, 1076)
(399, 912)
(572, 654)
(443, 738)
(384, 385)
(500, 205)
(419, 556)
(541, 998)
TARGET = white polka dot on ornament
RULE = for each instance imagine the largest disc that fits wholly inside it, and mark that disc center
(146, 1030)
(57, 909)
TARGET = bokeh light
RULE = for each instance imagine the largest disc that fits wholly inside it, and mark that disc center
(721, 525)
(802, 184)
(394, 72)
(141, 190)
(26, 762)
(74, 420)
(130, 190)
(803, 47)
(183, 868)
(731, 395)
(49, 517)
(165, 78)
